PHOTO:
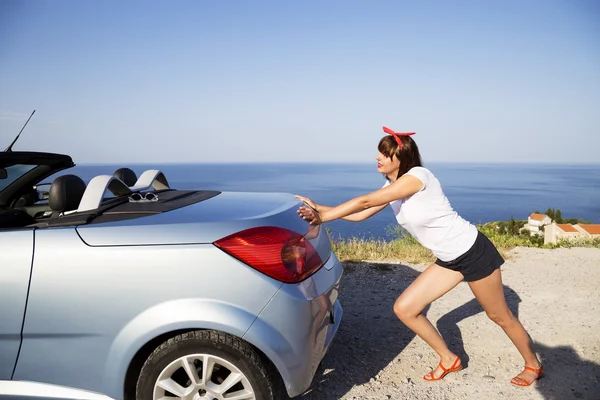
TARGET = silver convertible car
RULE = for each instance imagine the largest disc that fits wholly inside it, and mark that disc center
(130, 289)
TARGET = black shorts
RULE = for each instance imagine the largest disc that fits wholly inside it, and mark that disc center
(481, 260)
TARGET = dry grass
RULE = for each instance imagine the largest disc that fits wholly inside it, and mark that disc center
(407, 249)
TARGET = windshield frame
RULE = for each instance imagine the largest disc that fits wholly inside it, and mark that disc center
(44, 165)
(14, 172)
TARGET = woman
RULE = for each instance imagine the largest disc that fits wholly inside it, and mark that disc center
(463, 253)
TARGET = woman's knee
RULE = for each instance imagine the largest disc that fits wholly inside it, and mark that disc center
(502, 319)
(405, 310)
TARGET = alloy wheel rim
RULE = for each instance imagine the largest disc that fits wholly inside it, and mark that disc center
(202, 377)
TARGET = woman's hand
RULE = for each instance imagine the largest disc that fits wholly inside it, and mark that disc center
(307, 201)
(310, 215)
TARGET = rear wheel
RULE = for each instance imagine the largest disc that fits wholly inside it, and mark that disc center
(205, 365)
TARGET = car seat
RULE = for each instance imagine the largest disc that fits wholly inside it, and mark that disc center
(65, 194)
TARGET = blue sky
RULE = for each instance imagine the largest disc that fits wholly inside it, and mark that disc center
(267, 81)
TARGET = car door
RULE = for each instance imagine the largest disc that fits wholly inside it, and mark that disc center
(16, 253)
(27, 390)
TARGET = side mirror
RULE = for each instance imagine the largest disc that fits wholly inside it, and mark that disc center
(3, 173)
(42, 191)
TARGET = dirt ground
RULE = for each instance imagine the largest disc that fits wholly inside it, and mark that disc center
(555, 294)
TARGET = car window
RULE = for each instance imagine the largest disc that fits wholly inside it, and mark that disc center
(13, 173)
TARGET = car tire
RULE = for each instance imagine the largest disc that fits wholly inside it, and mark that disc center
(173, 364)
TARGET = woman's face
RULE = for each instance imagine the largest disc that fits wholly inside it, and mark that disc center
(386, 165)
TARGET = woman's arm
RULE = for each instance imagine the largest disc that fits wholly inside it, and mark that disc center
(406, 186)
(364, 214)
(356, 217)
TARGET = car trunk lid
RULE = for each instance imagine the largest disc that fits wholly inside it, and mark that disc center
(207, 221)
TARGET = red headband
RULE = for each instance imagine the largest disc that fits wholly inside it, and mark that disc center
(397, 135)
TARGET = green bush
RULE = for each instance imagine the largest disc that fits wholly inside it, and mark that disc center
(579, 242)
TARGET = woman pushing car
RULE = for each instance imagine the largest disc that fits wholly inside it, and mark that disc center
(463, 252)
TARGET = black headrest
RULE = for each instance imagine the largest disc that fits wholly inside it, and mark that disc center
(126, 175)
(65, 193)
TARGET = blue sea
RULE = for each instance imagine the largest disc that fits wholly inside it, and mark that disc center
(479, 192)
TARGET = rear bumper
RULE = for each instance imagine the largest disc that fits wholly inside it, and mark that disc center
(297, 326)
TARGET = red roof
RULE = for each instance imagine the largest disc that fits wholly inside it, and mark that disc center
(538, 217)
(592, 229)
(567, 227)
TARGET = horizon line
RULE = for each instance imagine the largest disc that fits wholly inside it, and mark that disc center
(92, 163)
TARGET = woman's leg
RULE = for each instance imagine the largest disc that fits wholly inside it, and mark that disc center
(489, 291)
(433, 283)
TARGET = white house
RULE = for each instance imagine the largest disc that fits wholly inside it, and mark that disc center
(554, 232)
(589, 230)
(535, 222)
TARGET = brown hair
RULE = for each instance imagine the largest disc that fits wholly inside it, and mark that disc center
(409, 155)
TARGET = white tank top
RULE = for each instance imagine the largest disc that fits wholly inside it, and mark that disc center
(428, 216)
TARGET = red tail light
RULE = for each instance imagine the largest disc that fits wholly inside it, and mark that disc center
(279, 253)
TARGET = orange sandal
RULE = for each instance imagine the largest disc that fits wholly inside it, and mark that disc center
(522, 382)
(453, 368)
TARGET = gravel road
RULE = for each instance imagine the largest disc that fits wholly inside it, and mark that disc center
(553, 292)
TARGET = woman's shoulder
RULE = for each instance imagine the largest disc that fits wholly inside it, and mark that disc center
(423, 174)
(420, 171)
(420, 168)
